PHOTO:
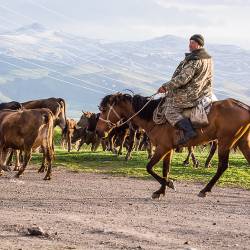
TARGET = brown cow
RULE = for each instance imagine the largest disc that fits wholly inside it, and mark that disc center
(26, 130)
(13, 106)
(86, 136)
(10, 105)
(56, 105)
(86, 133)
(67, 133)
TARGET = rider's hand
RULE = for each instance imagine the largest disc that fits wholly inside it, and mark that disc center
(161, 90)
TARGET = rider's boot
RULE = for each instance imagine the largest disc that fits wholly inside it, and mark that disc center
(188, 130)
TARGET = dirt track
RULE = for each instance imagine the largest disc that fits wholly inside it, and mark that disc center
(89, 211)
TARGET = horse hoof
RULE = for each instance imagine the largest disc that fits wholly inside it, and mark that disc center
(185, 164)
(9, 169)
(201, 194)
(47, 178)
(6, 168)
(17, 175)
(196, 165)
(41, 170)
(171, 185)
(155, 196)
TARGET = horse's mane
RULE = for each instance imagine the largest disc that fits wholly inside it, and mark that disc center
(114, 99)
(147, 113)
(137, 102)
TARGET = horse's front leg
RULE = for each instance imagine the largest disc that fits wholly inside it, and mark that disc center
(123, 137)
(132, 137)
(165, 171)
(158, 155)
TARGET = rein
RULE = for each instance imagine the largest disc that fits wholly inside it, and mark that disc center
(108, 121)
(118, 124)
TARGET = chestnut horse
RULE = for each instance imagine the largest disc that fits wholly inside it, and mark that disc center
(229, 120)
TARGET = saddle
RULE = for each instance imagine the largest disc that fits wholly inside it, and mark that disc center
(198, 114)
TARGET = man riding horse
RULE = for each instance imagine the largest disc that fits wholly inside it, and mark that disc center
(190, 83)
(228, 120)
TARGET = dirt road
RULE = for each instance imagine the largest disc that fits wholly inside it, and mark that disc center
(91, 211)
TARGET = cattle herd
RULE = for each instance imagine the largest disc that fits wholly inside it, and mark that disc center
(25, 127)
(28, 126)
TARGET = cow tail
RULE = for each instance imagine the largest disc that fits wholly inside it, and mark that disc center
(63, 103)
(50, 136)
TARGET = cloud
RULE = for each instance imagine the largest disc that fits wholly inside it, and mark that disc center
(220, 21)
(203, 5)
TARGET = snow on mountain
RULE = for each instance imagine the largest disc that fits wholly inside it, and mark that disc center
(38, 63)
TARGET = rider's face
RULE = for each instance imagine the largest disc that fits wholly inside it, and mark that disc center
(193, 45)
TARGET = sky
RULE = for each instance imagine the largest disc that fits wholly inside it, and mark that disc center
(224, 22)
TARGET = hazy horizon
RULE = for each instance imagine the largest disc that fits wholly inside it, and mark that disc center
(134, 20)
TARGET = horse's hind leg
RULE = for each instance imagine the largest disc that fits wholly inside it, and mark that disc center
(223, 153)
(186, 161)
(211, 153)
(244, 145)
(194, 160)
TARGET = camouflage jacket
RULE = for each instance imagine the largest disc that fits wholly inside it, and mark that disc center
(192, 79)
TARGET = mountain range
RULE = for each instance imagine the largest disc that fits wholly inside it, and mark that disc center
(36, 62)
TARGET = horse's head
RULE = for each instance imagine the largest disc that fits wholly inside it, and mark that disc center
(113, 108)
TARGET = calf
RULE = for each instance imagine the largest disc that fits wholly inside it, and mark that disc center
(67, 133)
(86, 136)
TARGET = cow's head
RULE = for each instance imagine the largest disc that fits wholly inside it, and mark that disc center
(84, 120)
(60, 116)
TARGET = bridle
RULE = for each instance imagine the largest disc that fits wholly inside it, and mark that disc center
(110, 123)
(118, 124)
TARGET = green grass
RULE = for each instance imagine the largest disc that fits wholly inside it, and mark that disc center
(237, 175)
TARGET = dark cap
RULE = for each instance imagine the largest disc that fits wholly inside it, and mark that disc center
(198, 38)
